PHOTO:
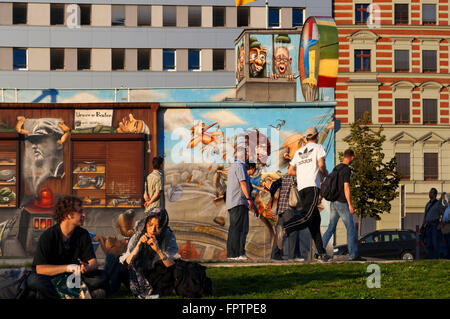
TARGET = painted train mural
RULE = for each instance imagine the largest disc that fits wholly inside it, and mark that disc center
(197, 143)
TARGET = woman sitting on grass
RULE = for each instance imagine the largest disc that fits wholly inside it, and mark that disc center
(152, 246)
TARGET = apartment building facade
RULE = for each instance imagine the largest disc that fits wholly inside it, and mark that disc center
(394, 63)
(137, 44)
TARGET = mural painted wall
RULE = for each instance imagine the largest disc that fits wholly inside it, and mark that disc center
(58, 157)
(198, 146)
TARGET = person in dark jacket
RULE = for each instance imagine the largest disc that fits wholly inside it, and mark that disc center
(152, 242)
(66, 248)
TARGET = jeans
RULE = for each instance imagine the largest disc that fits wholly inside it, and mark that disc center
(237, 233)
(341, 210)
(292, 240)
(41, 283)
(432, 239)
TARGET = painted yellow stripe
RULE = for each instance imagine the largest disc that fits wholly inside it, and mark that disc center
(242, 2)
(325, 22)
(328, 67)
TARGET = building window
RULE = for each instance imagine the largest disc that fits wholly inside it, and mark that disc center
(117, 15)
(84, 59)
(218, 60)
(143, 59)
(403, 165)
(168, 59)
(56, 59)
(144, 15)
(401, 14)
(362, 105)
(274, 17)
(193, 60)
(401, 60)
(85, 13)
(430, 111)
(430, 167)
(401, 111)
(117, 59)
(361, 13)
(297, 17)
(19, 59)
(219, 15)
(56, 14)
(195, 16)
(429, 61)
(428, 14)
(169, 16)
(362, 60)
(20, 13)
(243, 14)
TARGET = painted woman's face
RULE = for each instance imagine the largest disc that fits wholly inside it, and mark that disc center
(152, 226)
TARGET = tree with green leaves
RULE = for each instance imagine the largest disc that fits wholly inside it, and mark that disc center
(374, 181)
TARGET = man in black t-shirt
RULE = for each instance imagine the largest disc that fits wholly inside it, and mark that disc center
(342, 207)
(66, 247)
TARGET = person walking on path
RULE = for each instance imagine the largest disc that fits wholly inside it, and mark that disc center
(342, 207)
(308, 164)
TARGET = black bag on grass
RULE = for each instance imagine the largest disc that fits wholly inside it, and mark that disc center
(191, 280)
(13, 283)
(185, 279)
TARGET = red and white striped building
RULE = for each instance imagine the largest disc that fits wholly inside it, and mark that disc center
(394, 63)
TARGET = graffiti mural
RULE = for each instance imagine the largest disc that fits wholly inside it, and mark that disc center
(199, 147)
(282, 58)
(240, 61)
(260, 48)
(318, 59)
(44, 149)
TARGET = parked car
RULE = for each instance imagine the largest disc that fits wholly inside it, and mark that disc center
(386, 244)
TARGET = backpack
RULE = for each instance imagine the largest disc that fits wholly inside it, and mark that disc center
(191, 280)
(330, 187)
(13, 283)
(185, 279)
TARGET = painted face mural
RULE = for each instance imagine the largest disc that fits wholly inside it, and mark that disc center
(257, 59)
(44, 149)
(282, 61)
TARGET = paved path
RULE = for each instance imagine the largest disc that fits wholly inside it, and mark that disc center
(222, 263)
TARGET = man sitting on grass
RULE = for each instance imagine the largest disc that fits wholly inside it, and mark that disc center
(66, 247)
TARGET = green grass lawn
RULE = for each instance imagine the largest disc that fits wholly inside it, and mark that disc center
(425, 279)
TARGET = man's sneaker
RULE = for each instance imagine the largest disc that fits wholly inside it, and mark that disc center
(98, 294)
(232, 258)
(299, 260)
(243, 257)
(152, 296)
(281, 233)
(358, 258)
